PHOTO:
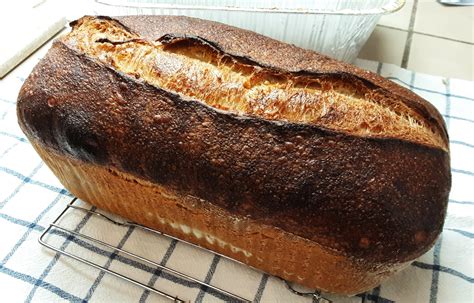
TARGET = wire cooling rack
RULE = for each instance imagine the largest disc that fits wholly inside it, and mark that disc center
(55, 225)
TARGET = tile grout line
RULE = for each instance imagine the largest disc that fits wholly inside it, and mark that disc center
(406, 52)
(425, 34)
(444, 38)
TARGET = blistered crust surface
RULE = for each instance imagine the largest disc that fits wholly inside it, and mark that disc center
(379, 200)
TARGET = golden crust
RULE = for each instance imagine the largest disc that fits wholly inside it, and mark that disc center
(270, 52)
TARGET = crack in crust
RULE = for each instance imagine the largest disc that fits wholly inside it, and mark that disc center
(198, 70)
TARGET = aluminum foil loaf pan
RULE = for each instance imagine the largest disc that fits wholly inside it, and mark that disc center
(336, 28)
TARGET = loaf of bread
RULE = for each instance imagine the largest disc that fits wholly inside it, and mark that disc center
(307, 168)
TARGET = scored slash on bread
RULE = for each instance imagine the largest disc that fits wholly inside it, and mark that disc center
(180, 119)
(190, 66)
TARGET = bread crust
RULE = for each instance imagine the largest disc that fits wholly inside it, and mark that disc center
(261, 246)
(270, 52)
(374, 203)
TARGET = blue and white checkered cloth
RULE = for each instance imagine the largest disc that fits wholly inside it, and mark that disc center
(31, 197)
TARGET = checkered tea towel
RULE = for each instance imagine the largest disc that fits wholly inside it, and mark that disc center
(31, 197)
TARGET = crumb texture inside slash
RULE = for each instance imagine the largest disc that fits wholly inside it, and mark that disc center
(197, 71)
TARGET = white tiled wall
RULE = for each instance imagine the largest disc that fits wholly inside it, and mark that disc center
(428, 37)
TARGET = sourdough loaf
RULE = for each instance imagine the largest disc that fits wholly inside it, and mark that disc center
(299, 165)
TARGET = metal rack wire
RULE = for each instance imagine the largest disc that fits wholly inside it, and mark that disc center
(316, 296)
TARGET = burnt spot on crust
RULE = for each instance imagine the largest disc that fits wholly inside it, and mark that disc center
(81, 142)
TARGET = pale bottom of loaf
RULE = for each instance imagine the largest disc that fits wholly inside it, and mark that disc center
(264, 247)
